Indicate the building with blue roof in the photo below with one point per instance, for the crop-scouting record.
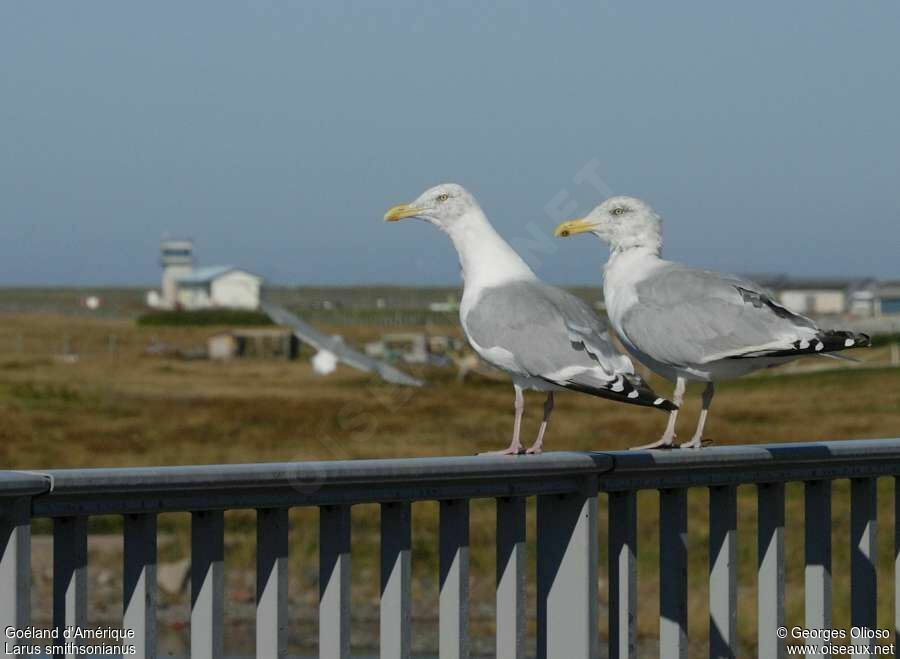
(185, 286)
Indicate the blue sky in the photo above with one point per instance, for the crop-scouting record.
(276, 134)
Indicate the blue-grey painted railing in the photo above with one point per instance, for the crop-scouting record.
(566, 486)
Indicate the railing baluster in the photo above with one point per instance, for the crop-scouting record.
(770, 560)
(272, 528)
(334, 582)
(673, 574)
(69, 574)
(723, 571)
(139, 582)
(15, 564)
(567, 575)
(510, 606)
(622, 573)
(396, 546)
(818, 559)
(896, 559)
(454, 579)
(863, 578)
(207, 584)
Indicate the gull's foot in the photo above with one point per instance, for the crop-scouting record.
(696, 442)
(535, 450)
(661, 443)
(512, 450)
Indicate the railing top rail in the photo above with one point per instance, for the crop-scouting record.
(22, 483)
(181, 488)
(185, 488)
(752, 463)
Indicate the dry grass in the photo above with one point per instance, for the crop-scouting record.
(130, 409)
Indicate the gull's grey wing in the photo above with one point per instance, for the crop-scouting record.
(554, 336)
(309, 335)
(545, 328)
(585, 327)
(685, 316)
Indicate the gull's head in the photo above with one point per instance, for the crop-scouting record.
(620, 221)
(443, 206)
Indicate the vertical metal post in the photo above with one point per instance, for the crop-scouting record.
(723, 561)
(863, 578)
(272, 527)
(454, 579)
(69, 574)
(396, 547)
(897, 559)
(818, 559)
(334, 582)
(673, 574)
(770, 569)
(139, 582)
(510, 604)
(567, 556)
(622, 573)
(15, 564)
(207, 584)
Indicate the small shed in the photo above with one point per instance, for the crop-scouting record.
(267, 343)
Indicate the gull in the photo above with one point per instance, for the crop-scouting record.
(689, 324)
(544, 337)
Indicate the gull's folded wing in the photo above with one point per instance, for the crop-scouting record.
(686, 316)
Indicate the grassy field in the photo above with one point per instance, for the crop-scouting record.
(114, 405)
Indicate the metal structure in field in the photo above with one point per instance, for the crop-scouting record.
(336, 347)
(566, 486)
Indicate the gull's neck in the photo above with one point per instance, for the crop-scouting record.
(485, 258)
(624, 269)
(625, 263)
(646, 239)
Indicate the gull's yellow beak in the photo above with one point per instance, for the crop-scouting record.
(400, 211)
(571, 227)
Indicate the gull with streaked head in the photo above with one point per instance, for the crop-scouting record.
(689, 324)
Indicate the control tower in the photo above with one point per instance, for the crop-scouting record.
(177, 261)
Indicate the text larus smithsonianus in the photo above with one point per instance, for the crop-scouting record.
(545, 338)
(689, 324)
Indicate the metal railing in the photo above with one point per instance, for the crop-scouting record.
(566, 486)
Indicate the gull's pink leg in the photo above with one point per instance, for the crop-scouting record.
(538, 446)
(697, 440)
(668, 438)
(515, 446)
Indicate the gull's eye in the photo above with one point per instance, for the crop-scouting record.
(618, 211)
(443, 197)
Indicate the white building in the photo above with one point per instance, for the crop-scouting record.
(815, 297)
(187, 287)
(825, 297)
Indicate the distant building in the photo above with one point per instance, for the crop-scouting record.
(177, 260)
(187, 287)
(889, 297)
(815, 296)
(263, 343)
(218, 286)
(825, 297)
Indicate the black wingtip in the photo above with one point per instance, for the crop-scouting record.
(862, 340)
(665, 404)
(823, 342)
